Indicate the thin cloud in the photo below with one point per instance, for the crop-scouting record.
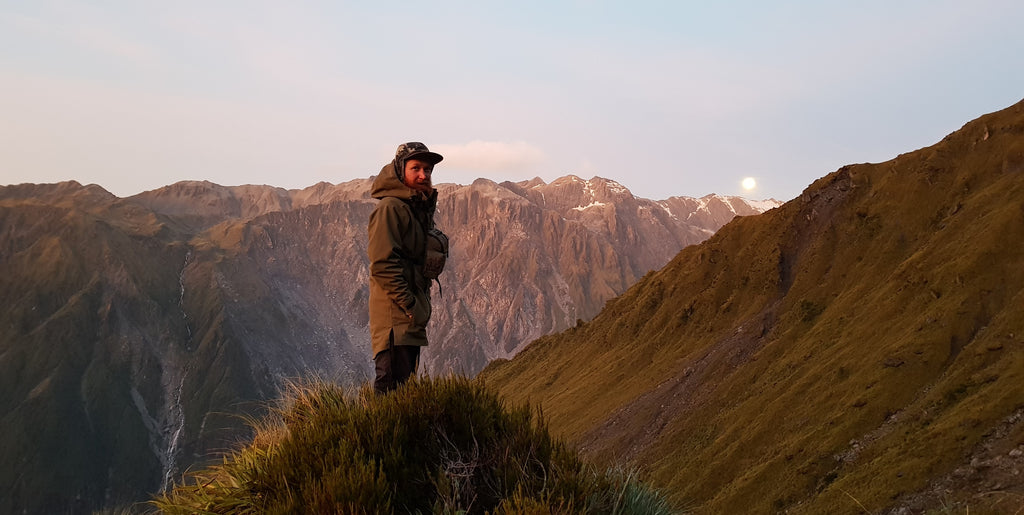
(498, 157)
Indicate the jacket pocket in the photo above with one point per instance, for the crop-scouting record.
(421, 312)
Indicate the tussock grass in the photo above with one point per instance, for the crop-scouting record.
(444, 445)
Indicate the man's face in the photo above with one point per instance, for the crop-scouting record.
(417, 175)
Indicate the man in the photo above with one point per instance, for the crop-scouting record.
(399, 289)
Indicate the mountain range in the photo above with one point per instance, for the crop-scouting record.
(141, 332)
(859, 349)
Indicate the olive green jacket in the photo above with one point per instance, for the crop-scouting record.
(399, 294)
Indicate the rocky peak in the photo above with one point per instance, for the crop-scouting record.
(208, 200)
(714, 210)
(325, 192)
(66, 192)
(571, 193)
(203, 204)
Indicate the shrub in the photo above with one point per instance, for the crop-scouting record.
(432, 446)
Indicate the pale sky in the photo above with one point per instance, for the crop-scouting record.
(667, 98)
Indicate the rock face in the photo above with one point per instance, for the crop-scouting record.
(531, 258)
(139, 331)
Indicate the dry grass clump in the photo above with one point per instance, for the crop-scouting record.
(433, 446)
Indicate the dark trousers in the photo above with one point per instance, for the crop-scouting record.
(394, 366)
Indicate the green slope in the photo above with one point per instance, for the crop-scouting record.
(856, 348)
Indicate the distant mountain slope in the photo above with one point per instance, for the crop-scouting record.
(532, 258)
(859, 349)
(138, 332)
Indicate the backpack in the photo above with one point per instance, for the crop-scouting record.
(437, 254)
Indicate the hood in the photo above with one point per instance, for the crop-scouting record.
(387, 184)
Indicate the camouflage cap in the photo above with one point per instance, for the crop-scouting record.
(415, 149)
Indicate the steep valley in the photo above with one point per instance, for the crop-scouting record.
(140, 333)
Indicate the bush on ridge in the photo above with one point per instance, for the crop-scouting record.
(446, 445)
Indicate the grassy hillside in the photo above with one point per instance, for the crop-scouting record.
(859, 348)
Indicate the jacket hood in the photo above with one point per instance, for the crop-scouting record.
(387, 184)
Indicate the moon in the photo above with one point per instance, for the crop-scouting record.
(749, 183)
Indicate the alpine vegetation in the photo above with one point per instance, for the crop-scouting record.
(446, 445)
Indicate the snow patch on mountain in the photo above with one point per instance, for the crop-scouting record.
(590, 205)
